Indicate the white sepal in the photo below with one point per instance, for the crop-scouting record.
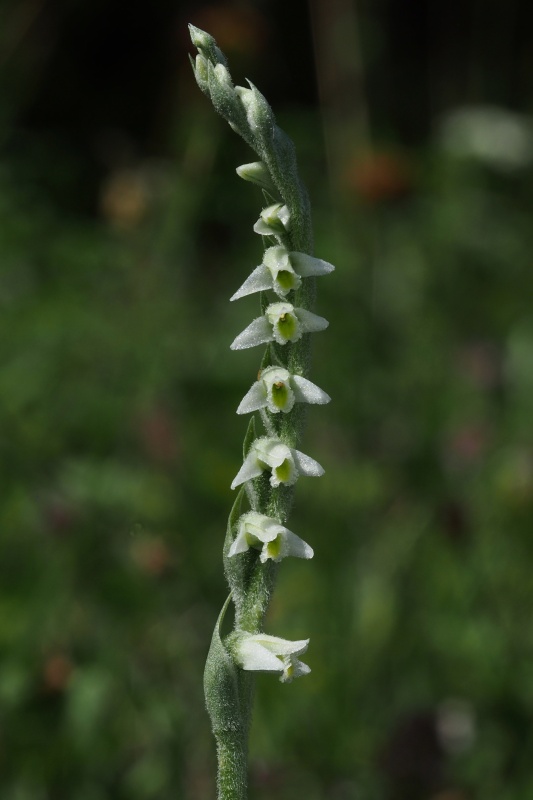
(307, 392)
(266, 534)
(259, 281)
(250, 469)
(307, 465)
(254, 399)
(308, 266)
(258, 332)
(311, 322)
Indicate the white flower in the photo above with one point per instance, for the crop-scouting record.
(278, 390)
(286, 464)
(281, 322)
(274, 540)
(282, 271)
(259, 652)
(273, 220)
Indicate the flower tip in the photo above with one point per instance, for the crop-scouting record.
(199, 38)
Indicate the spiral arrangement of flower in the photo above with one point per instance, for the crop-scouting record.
(257, 538)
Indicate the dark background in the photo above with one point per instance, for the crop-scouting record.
(123, 231)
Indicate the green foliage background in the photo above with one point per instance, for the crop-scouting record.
(119, 441)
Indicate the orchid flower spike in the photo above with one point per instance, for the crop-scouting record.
(283, 272)
(273, 220)
(282, 323)
(286, 464)
(266, 534)
(277, 390)
(262, 653)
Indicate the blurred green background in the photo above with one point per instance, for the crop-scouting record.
(123, 232)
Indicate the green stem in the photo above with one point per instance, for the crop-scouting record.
(232, 752)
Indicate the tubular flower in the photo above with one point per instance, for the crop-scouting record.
(282, 323)
(283, 272)
(273, 220)
(266, 534)
(262, 653)
(278, 390)
(286, 464)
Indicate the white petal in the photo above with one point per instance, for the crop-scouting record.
(297, 547)
(251, 655)
(276, 257)
(259, 281)
(310, 322)
(272, 374)
(250, 469)
(307, 465)
(258, 332)
(254, 399)
(308, 266)
(272, 451)
(271, 529)
(281, 647)
(307, 392)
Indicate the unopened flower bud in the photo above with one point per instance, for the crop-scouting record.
(257, 173)
(274, 220)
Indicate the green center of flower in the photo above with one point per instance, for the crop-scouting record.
(279, 394)
(283, 472)
(287, 325)
(285, 279)
(274, 548)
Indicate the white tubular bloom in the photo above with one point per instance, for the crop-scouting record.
(262, 653)
(283, 272)
(266, 534)
(273, 220)
(277, 390)
(286, 464)
(282, 323)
